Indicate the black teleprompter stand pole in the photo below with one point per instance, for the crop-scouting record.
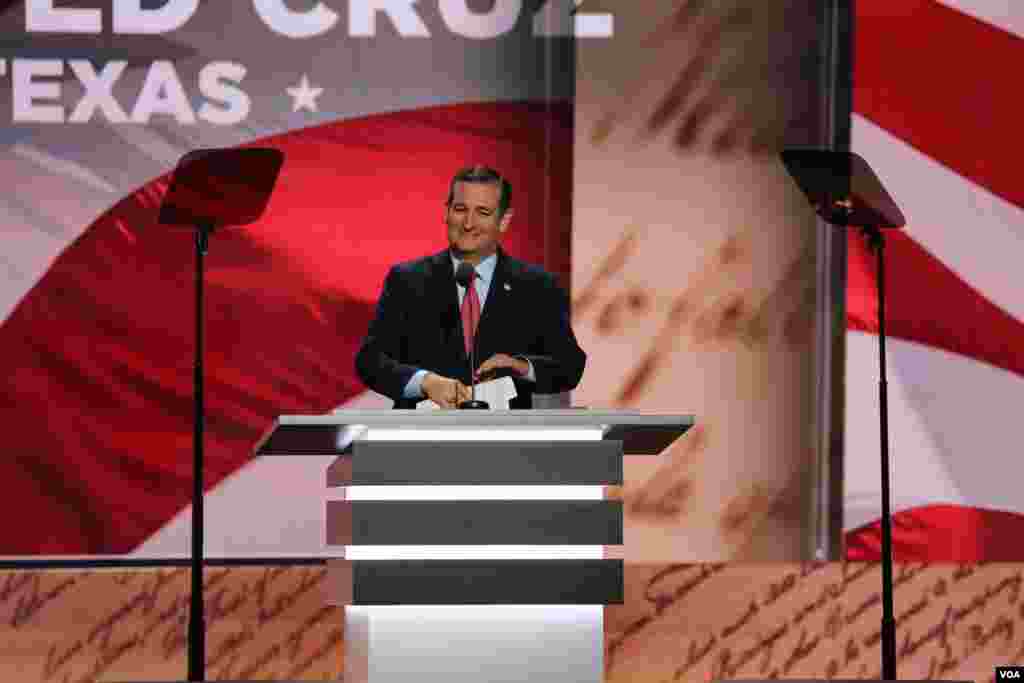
(211, 189)
(845, 192)
(197, 611)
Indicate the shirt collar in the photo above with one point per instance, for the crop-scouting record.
(484, 271)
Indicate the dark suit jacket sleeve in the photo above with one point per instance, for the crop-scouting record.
(559, 361)
(376, 361)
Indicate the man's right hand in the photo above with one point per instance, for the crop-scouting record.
(445, 391)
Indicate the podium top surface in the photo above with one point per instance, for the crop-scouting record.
(334, 433)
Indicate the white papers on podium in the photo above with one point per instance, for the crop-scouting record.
(497, 393)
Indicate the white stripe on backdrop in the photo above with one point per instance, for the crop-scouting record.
(1004, 14)
(953, 431)
(973, 232)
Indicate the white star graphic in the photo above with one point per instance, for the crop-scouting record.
(304, 95)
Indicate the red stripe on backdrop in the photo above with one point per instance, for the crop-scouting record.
(945, 83)
(928, 303)
(95, 362)
(943, 533)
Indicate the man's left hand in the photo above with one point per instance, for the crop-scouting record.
(518, 366)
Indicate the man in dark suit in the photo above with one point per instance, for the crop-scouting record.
(416, 344)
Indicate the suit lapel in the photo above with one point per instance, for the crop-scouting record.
(495, 306)
(443, 291)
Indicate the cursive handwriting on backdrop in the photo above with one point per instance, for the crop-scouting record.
(685, 622)
(716, 310)
(734, 87)
(709, 309)
(78, 627)
(701, 622)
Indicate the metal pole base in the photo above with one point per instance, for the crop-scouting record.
(474, 405)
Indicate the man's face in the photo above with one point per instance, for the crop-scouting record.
(474, 227)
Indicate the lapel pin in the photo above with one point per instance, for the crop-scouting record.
(508, 287)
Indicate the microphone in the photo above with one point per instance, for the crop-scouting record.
(464, 275)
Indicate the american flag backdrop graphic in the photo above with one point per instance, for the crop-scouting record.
(96, 355)
(96, 304)
(938, 116)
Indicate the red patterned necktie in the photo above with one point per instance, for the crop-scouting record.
(470, 313)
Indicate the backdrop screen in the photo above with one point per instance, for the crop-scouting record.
(642, 157)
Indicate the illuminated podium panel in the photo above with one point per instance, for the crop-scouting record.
(473, 545)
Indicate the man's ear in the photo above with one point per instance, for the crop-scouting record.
(506, 218)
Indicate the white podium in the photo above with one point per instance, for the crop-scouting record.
(473, 545)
